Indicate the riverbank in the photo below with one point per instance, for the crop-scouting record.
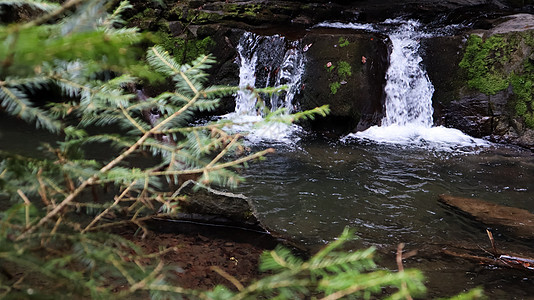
(195, 258)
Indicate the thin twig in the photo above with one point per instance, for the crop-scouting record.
(122, 270)
(127, 115)
(27, 204)
(401, 269)
(216, 167)
(129, 221)
(102, 214)
(224, 151)
(53, 14)
(143, 283)
(58, 208)
(42, 188)
(492, 241)
(229, 277)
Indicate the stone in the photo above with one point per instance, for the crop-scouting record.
(355, 99)
(480, 114)
(518, 22)
(519, 221)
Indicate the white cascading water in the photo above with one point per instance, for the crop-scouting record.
(278, 62)
(290, 74)
(408, 88)
(245, 101)
(408, 119)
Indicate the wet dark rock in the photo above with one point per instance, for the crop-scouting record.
(260, 13)
(481, 114)
(219, 208)
(212, 213)
(18, 13)
(356, 100)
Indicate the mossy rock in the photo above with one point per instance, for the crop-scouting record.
(489, 87)
(494, 63)
(345, 70)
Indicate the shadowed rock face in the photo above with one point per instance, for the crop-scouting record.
(357, 100)
(346, 70)
(261, 13)
(460, 104)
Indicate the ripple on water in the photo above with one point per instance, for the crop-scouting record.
(382, 190)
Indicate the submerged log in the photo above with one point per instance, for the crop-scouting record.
(519, 221)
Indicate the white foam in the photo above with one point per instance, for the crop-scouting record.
(247, 118)
(256, 129)
(437, 138)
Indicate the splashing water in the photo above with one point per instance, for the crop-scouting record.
(408, 119)
(267, 61)
(408, 88)
(245, 101)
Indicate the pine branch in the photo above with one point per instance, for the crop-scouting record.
(15, 102)
(53, 14)
(215, 167)
(162, 62)
(115, 19)
(86, 18)
(44, 6)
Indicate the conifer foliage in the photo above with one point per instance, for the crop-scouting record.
(53, 242)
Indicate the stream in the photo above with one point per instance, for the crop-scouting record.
(389, 195)
(384, 182)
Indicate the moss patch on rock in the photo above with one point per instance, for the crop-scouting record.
(184, 49)
(498, 62)
(483, 61)
(338, 77)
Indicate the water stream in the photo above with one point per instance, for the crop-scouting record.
(385, 182)
(389, 194)
(267, 61)
(387, 191)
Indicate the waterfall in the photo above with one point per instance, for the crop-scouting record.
(267, 61)
(408, 88)
(245, 101)
(408, 107)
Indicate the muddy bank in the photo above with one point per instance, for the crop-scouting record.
(196, 256)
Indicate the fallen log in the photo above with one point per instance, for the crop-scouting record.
(519, 221)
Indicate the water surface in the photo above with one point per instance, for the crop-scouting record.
(389, 194)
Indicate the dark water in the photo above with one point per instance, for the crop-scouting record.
(389, 195)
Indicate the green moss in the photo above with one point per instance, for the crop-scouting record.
(185, 50)
(203, 17)
(344, 70)
(343, 42)
(529, 120)
(334, 86)
(487, 66)
(521, 108)
(240, 10)
(522, 87)
(483, 60)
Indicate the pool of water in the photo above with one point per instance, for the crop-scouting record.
(389, 194)
(311, 190)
